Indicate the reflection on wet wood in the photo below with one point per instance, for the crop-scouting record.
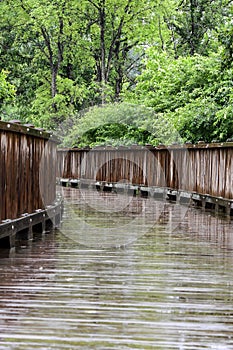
(169, 289)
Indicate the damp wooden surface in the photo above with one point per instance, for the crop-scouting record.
(170, 288)
(204, 169)
(28, 170)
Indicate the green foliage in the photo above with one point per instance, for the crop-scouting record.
(64, 57)
(194, 25)
(69, 95)
(120, 124)
(168, 83)
(226, 38)
(192, 92)
(113, 134)
(7, 90)
(196, 120)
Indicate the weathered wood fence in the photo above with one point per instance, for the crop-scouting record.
(205, 169)
(27, 174)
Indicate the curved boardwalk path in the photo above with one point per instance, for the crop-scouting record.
(167, 290)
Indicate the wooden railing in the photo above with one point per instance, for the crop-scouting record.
(27, 169)
(203, 168)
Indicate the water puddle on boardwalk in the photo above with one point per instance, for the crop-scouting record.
(167, 285)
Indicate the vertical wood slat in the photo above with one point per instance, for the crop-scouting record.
(24, 188)
(3, 175)
(205, 169)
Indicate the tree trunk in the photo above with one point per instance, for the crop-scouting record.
(54, 72)
(193, 28)
(103, 50)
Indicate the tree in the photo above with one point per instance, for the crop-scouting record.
(194, 25)
(69, 55)
(193, 93)
(45, 41)
(226, 38)
(64, 57)
(116, 28)
(48, 27)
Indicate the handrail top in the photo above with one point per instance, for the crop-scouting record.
(26, 129)
(189, 146)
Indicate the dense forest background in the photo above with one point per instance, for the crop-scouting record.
(119, 71)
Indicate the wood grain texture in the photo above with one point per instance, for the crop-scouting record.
(27, 170)
(204, 169)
